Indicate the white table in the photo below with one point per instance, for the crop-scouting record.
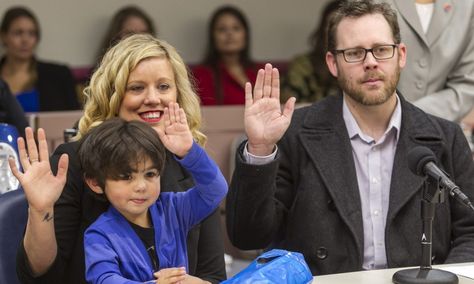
(382, 276)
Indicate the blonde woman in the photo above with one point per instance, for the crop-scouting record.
(136, 80)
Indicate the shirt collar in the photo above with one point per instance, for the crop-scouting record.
(353, 128)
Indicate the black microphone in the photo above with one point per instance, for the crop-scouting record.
(422, 161)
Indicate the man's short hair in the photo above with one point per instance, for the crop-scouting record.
(116, 147)
(357, 9)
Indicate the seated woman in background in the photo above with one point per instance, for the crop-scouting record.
(308, 78)
(37, 85)
(128, 20)
(222, 75)
(10, 109)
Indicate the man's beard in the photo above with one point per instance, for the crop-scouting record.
(370, 99)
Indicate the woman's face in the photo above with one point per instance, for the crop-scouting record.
(151, 86)
(229, 34)
(21, 38)
(134, 25)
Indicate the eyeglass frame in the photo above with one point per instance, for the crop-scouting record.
(367, 50)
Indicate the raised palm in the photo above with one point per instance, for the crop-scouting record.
(265, 122)
(177, 136)
(42, 188)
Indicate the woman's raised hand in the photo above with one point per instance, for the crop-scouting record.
(177, 136)
(265, 122)
(42, 188)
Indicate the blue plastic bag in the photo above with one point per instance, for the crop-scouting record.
(275, 266)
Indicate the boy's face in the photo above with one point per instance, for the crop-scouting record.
(134, 193)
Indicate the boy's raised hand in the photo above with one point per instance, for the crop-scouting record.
(42, 188)
(177, 136)
(173, 275)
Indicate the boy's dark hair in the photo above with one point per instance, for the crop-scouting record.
(357, 9)
(115, 146)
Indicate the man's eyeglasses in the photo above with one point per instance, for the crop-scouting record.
(380, 52)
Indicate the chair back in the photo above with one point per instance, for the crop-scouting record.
(13, 217)
(8, 148)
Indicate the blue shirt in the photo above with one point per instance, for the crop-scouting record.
(115, 254)
(29, 100)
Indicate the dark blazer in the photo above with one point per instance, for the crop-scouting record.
(56, 87)
(77, 208)
(10, 110)
(307, 199)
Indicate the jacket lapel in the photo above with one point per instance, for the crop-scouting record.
(416, 130)
(442, 14)
(325, 139)
(407, 10)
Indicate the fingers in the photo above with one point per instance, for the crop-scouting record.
(43, 145)
(171, 275)
(63, 164)
(289, 107)
(248, 94)
(174, 114)
(14, 168)
(258, 89)
(275, 84)
(31, 145)
(267, 81)
(182, 116)
(267, 84)
(166, 117)
(25, 163)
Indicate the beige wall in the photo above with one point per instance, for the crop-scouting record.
(72, 29)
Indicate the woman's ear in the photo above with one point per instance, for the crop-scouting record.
(94, 185)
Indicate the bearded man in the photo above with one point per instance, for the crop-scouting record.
(332, 181)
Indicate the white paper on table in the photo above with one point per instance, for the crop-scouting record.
(465, 270)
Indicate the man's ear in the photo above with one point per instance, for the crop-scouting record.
(331, 63)
(94, 185)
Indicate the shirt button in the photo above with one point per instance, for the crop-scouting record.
(419, 85)
(374, 180)
(376, 212)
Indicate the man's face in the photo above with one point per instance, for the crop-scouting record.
(372, 81)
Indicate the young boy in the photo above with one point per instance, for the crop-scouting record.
(142, 236)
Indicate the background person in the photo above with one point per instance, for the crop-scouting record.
(10, 110)
(439, 76)
(126, 21)
(227, 65)
(37, 85)
(308, 79)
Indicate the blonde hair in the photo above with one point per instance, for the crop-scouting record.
(107, 86)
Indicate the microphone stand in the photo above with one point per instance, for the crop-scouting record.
(432, 194)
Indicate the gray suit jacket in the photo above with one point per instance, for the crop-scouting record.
(307, 200)
(439, 76)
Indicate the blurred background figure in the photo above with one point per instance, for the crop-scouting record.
(128, 20)
(10, 110)
(439, 74)
(37, 85)
(227, 65)
(308, 78)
